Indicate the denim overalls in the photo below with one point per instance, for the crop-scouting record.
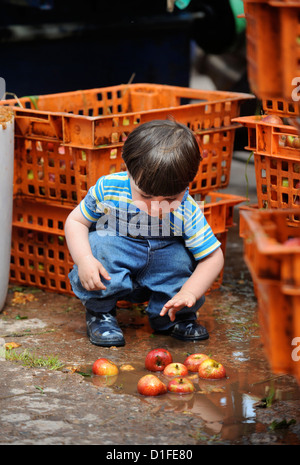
(144, 265)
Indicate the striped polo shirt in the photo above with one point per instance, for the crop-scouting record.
(112, 193)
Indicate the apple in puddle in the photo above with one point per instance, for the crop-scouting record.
(104, 367)
(158, 359)
(193, 361)
(175, 369)
(181, 386)
(151, 385)
(211, 369)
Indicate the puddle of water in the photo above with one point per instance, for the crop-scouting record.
(226, 407)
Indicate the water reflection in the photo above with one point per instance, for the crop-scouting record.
(226, 406)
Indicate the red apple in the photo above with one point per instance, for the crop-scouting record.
(175, 369)
(151, 385)
(158, 359)
(181, 386)
(296, 143)
(292, 241)
(290, 141)
(272, 119)
(193, 361)
(210, 369)
(104, 367)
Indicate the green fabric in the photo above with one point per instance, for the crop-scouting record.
(181, 4)
(237, 7)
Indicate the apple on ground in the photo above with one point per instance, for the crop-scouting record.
(158, 359)
(193, 361)
(151, 385)
(211, 369)
(104, 367)
(181, 386)
(175, 369)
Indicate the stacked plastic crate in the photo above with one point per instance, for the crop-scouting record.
(65, 142)
(271, 229)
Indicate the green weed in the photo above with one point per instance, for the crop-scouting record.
(29, 359)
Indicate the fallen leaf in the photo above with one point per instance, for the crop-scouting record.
(22, 298)
(127, 368)
(72, 369)
(11, 345)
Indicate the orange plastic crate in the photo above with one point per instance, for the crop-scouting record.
(279, 311)
(39, 253)
(264, 232)
(66, 141)
(281, 107)
(218, 209)
(277, 165)
(273, 48)
(275, 270)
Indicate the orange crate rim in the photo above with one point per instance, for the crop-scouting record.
(73, 138)
(69, 117)
(277, 162)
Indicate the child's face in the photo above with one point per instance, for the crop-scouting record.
(154, 206)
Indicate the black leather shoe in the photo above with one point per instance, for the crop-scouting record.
(189, 331)
(103, 329)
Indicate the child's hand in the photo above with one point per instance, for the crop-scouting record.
(89, 271)
(180, 300)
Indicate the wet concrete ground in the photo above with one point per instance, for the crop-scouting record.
(42, 406)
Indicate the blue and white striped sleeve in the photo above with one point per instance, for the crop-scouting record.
(89, 206)
(198, 235)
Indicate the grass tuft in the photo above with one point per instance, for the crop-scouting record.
(30, 359)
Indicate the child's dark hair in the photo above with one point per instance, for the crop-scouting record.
(162, 157)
